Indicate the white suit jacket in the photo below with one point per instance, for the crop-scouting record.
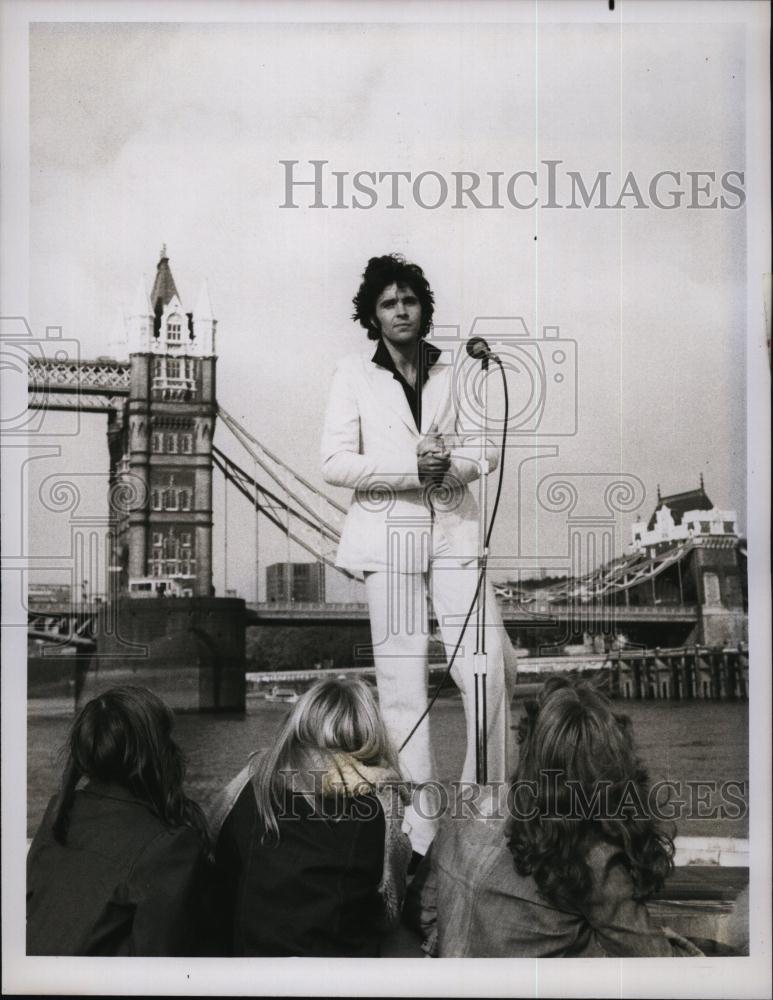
(369, 444)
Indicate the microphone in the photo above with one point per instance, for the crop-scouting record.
(478, 349)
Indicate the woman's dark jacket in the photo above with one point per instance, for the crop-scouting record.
(331, 885)
(123, 884)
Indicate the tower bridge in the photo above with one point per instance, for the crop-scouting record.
(685, 573)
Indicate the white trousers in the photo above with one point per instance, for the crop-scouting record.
(400, 631)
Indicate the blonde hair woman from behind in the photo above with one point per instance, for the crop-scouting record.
(309, 848)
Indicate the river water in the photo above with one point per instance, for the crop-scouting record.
(686, 742)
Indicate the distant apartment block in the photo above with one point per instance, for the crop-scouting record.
(295, 582)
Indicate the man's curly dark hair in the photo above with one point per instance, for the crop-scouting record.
(572, 738)
(391, 269)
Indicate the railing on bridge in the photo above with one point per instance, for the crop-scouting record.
(306, 611)
(512, 611)
(516, 610)
(98, 386)
(304, 606)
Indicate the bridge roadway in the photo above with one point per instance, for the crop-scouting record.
(57, 621)
(537, 613)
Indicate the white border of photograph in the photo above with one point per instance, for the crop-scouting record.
(725, 977)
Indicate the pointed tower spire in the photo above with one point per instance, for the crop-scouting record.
(659, 497)
(702, 487)
(164, 288)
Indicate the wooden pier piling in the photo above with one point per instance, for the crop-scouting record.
(680, 674)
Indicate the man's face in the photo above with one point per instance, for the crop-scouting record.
(398, 315)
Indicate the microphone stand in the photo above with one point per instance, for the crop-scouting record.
(478, 350)
(480, 658)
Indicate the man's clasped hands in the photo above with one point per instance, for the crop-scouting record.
(434, 459)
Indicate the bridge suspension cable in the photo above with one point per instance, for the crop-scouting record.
(615, 577)
(310, 532)
(304, 493)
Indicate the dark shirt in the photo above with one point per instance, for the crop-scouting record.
(315, 892)
(426, 357)
(122, 884)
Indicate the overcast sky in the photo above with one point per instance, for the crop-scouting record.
(151, 134)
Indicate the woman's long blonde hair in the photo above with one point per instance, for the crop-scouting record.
(332, 717)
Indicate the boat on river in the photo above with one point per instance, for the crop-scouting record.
(283, 694)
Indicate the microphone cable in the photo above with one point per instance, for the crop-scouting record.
(482, 571)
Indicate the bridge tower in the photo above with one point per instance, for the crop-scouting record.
(161, 445)
(166, 628)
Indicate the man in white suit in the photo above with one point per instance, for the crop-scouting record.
(392, 435)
